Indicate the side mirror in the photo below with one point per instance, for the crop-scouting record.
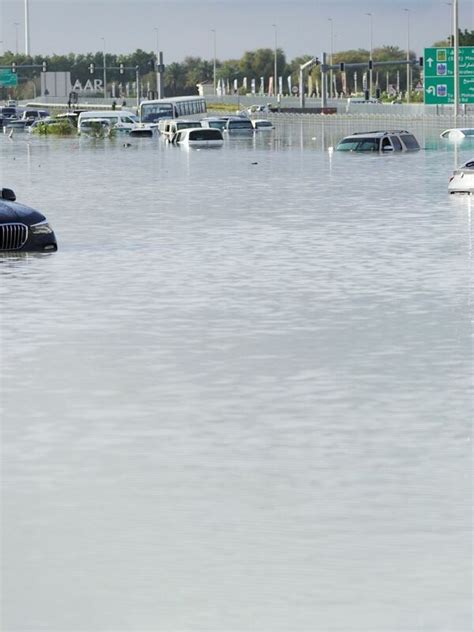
(8, 194)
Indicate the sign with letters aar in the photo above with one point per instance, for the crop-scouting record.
(439, 75)
(8, 78)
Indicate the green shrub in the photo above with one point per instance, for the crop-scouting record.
(58, 128)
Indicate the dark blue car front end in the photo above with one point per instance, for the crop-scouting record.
(22, 228)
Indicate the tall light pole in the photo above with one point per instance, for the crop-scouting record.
(456, 57)
(27, 29)
(451, 28)
(408, 55)
(275, 75)
(105, 70)
(17, 24)
(370, 56)
(213, 31)
(157, 65)
(330, 20)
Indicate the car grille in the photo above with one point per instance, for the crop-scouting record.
(13, 236)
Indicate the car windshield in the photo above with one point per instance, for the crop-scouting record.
(218, 124)
(94, 123)
(186, 124)
(205, 134)
(244, 124)
(359, 144)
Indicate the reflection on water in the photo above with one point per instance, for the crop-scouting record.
(237, 398)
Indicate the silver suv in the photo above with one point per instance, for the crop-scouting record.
(379, 142)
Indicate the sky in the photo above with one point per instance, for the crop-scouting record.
(182, 28)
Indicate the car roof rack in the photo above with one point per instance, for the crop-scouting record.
(381, 131)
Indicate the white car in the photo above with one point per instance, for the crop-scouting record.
(462, 180)
(458, 133)
(198, 137)
(262, 124)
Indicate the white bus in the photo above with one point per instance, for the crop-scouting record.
(174, 107)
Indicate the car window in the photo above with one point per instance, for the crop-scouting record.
(396, 143)
(409, 141)
(240, 124)
(368, 144)
(205, 134)
(358, 144)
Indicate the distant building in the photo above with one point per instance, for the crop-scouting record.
(205, 89)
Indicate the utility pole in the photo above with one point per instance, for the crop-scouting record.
(213, 31)
(105, 70)
(408, 56)
(157, 66)
(330, 60)
(27, 30)
(17, 24)
(370, 56)
(275, 75)
(456, 58)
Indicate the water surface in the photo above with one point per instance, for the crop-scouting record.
(238, 397)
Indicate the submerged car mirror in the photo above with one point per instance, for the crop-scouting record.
(8, 194)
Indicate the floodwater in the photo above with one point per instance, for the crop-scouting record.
(238, 398)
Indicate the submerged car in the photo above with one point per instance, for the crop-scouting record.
(198, 137)
(262, 124)
(462, 180)
(217, 122)
(458, 133)
(379, 142)
(23, 228)
(238, 125)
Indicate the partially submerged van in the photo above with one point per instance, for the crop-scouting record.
(169, 127)
(120, 120)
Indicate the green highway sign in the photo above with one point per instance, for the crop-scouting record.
(439, 75)
(8, 78)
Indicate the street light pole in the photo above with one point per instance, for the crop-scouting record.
(370, 56)
(17, 24)
(451, 28)
(27, 30)
(275, 75)
(408, 55)
(213, 31)
(157, 66)
(331, 89)
(105, 71)
(456, 57)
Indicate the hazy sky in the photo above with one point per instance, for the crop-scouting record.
(184, 27)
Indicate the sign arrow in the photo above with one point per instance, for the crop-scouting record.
(431, 90)
(430, 61)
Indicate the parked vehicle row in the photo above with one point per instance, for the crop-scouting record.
(14, 117)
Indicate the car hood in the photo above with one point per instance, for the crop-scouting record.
(15, 212)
